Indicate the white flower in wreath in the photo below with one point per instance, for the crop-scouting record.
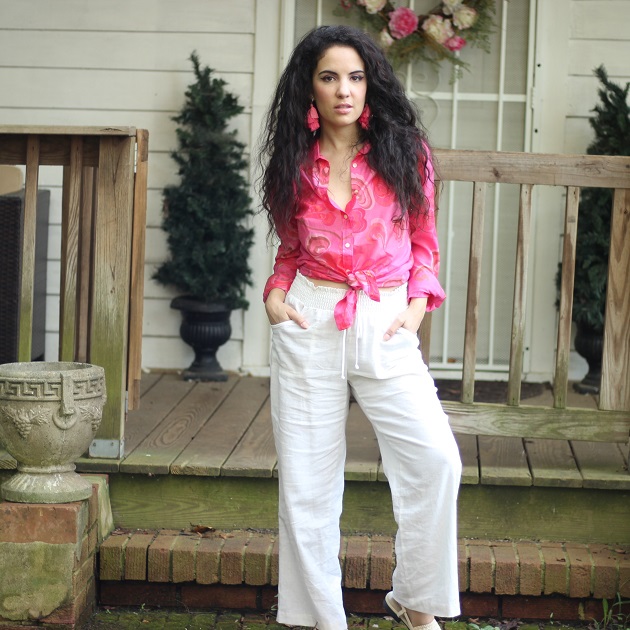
(438, 28)
(464, 17)
(385, 39)
(373, 6)
(450, 6)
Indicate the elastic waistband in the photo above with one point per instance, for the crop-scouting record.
(326, 298)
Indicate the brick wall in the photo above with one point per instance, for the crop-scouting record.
(525, 579)
(48, 561)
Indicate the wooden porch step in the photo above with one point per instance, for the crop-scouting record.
(204, 453)
(214, 568)
(224, 429)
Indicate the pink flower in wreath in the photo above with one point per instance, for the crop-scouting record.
(402, 22)
(464, 17)
(436, 27)
(455, 43)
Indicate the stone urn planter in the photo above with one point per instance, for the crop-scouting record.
(49, 414)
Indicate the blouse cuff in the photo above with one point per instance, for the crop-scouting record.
(430, 288)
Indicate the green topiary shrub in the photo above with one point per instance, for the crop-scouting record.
(206, 214)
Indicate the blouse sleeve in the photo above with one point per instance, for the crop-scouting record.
(286, 264)
(423, 278)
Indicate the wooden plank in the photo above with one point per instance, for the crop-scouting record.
(474, 290)
(162, 446)
(157, 403)
(110, 288)
(176, 501)
(552, 464)
(70, 224)
(67, 130)
(520, 295)
(227, 51)
(615, 388)
(601, 465)
(469, 453)
(86, 262)
(490, 512)
(138, 90)
(153, 16)
(54, 149)
(149, 379)
(603, 171)
(599, 19)
(222, 432)
(362, 452)
(425, 325)
(28, 250)
(538, 422)
(534, 513)
(503, 462)
(565, 309)
(136, 297)
(255, 454)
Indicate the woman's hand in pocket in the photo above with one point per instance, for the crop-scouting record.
(410, 318)
(278, 311)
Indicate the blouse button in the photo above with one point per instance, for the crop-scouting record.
(354, 165)
(345, 216)
(347, 245)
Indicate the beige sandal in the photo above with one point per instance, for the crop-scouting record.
(400, 612)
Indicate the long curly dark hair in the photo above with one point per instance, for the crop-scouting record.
(397, 139)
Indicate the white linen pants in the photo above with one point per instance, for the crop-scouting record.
(311, 373)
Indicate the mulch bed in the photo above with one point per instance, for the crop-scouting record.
(487, 391)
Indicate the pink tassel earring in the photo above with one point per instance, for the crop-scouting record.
(312, 118)
(364, 118)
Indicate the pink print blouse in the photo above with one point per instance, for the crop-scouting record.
(359, 244)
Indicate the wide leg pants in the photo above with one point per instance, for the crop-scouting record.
(312, 371)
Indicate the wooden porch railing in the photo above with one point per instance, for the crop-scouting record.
(102, 254)
(611, 422)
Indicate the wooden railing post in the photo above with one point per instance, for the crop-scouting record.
(28, 248)
(615, 383)
(99, 197)
(110, 289)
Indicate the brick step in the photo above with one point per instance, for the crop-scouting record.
(239, 570)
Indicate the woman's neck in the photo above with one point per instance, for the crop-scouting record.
(339, 142)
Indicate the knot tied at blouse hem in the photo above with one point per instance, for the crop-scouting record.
(346, 308)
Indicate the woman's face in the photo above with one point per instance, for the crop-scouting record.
(339, 87)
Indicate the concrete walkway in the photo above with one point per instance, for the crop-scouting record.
(160, 619)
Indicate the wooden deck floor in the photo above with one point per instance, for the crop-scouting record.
(224, 429)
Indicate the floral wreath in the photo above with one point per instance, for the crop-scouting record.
(434, 37)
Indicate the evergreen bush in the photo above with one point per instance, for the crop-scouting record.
(611, 124)
(205, 216)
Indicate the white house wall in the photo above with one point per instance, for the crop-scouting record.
(114, 62)
(573, 37)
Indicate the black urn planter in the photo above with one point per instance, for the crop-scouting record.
(589, 343)
(205, 327)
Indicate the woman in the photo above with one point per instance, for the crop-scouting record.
(348, 189)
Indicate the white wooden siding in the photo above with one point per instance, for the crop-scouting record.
(573, 38)
(114, 62)
(598, 35)
(119, 63)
